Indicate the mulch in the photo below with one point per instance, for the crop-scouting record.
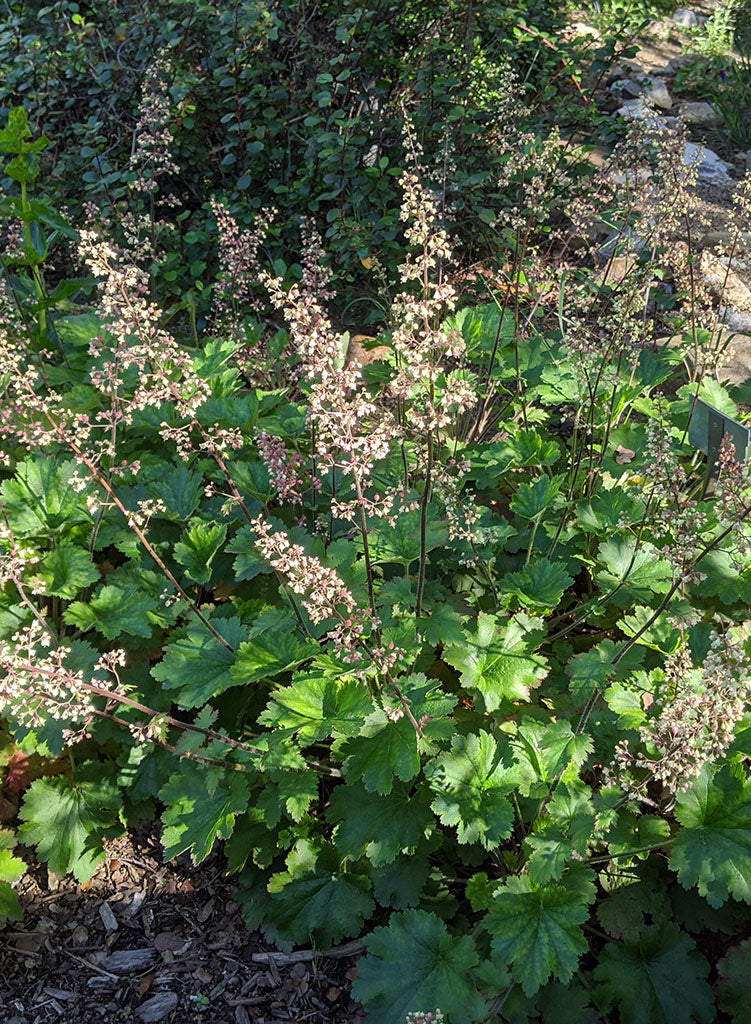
(144, 941)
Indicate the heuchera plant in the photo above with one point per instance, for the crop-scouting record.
(450, 650)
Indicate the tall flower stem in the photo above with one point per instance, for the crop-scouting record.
(424, 529)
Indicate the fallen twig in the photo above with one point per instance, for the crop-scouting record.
(305, 955)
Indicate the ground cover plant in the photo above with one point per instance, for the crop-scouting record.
(450, 650)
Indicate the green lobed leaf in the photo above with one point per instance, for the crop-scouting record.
(551, 850)
(471, 785)
(316, 706)
(498, 660)
(387, 745)
(316, 901)
(40, 500)
(180, 488)
(532, 500)
(66, 569)
(606, 511)
(379, 827)
(537, 929)
(634, 832)
(546, 750)
(732, 991)
(591, 670)
(115, 609)
(197, 664)
(657, 979)
(275, 646)
(623, 914)
(66, 821)
(199, 544)
(642, 573)
(443, 626)
(414, 964)
(384, 749)
(11, 869)
(540, 585)
(400, 544)
(712, 849)
(400, 883)
(249, 562)
(197, 814)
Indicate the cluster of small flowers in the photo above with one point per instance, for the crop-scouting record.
(283, 466)
(239, 264)
(153, 141)
(421, 1017)
(141, 232)
(461, 516)
(674, 514)
(24, 413)
(422, 345)
(351, 431)
(388, 506)
(15, 558)
(733, 499)
(661, 466)
(316, 276)
(698, 711)
(134, 337)
(534, 167)
(691, 277)
(646, 183)
(146, 509)
(36, 686)
(13, 244)
(325, 594)
(386, 659)
(458, 395)
(313, 336)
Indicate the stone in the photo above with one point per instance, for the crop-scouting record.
(580, 28)
(685, 18)
(622, 244)
(713, 239)
(678, 63)
(712, 170)
(634, 110)
(659, 29)
(657, 91)
(736, 363)
(729, 283)
(735, 320)
(699, 113)
(625, 87)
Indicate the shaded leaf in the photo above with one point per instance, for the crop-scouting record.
(537, 929)
(438, 972)
(199, 665)
(659, 979)
(539, 585)
(66, 569)
(379, 827)
(197, 548)
(195, 817)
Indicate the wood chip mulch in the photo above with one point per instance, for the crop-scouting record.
(146, 941)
